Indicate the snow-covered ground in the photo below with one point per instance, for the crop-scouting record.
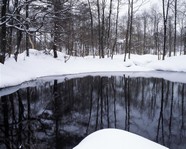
(39, 64)
(116, 139)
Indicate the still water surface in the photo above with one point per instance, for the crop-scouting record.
(58, 114)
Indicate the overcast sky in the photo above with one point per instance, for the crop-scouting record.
(146, 5)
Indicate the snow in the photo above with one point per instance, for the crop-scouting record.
(39, 64)
(116, 139)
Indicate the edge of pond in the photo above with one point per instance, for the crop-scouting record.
(172, 76)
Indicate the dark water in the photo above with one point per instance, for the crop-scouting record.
(59, 114)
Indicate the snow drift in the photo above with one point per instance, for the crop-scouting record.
(40, 64)
(116, 139)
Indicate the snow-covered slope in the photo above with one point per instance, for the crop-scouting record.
(39, 64)
(116, 139)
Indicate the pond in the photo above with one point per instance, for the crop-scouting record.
(58, 112)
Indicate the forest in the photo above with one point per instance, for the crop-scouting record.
(92, 27)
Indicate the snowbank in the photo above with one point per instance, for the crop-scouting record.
(39, 64)
(116, 139)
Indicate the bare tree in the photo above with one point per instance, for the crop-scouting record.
(165, 17)
(92, 30)
(116, 29)
(19, 32)
(3, 32)
(145, 19)
(131, 23)
(170, 36)
(27, 27)
(103, 29)
(109, 25)
(57, 8)
(99, 27)
(184, 40)
(127, 32)
(175, 25)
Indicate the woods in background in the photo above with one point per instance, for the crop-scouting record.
(92, 27)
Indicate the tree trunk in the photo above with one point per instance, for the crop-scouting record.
(170, 37)
(3, 32)
(131, 23)
(165, 15)
(55, 43)
(175, 26)
(103, 28)
(19, 37)
(116, 31)
(184, 40)
(127, 33)
(27, 27)
(144, 34)
(99, 28)
(92, 30)
(109, 26)
(18, 32)
(58, 6)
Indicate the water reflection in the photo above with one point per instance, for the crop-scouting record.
(59, 115)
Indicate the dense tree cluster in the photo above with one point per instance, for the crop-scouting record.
(92, 27)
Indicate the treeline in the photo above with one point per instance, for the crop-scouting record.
(92, 27)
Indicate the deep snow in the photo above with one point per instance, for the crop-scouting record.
(116, 139)
(39, 64)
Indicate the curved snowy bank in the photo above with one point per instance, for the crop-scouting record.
(170, 76)
(39, 64)
(116, 139)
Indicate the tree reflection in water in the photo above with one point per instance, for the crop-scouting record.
(60, 114)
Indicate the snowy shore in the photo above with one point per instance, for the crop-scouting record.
(39, 64)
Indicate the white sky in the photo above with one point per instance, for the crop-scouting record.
(144, 5)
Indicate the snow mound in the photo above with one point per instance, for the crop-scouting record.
(175, 63)
(116, 139)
